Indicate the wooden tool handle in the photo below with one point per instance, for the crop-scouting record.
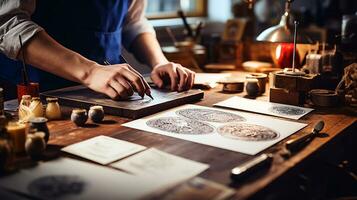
(294, 143)
(251, 166)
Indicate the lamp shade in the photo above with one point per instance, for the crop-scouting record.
(282, 33)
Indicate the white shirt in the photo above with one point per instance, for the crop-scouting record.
(15, 20)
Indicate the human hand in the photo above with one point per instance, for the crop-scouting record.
(179, 77)
(117, 81)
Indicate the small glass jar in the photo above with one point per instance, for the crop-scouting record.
(17, 135)
(36, 107)
(53, 110)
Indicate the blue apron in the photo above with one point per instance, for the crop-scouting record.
(91, 28)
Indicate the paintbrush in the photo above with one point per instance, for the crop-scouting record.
(181, 14)
(106, 62)
(172, 36)
(25, 77)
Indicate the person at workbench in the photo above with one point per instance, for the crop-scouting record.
(69, 41)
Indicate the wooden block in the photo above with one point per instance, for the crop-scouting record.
(294, 83)
(134, 107)
(279, 95)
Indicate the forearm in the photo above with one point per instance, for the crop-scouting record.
(45, 53)
(147, 50)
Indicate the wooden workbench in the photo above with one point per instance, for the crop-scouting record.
(339, 123)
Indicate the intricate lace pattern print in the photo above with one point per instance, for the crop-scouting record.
(180, 125)
(210, 115)
(247, 132)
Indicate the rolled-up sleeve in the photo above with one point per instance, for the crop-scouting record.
(15, 20)
(135, 23)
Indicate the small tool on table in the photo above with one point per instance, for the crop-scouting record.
(251, 166)
(293, 144)
(265, 160)
(106, 62)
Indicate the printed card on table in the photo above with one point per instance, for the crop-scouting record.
(103, 149)
(161, 166)
(227, 129)
(263, 107)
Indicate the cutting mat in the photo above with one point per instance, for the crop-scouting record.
(134, 107)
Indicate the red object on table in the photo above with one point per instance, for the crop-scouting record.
(284, 55)
(30, 89)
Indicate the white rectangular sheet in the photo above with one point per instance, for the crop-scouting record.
(103, 149)
(232, 130)
(66, 178)
(161, 166)
(264, 107)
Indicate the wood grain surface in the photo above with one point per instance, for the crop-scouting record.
(337, 121)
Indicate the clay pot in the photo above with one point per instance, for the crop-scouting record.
(96, 114)
(79, 116)
(252, 87)
(35, 145)
(40, 124)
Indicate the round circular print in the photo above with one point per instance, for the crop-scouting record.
(57, 186)
(247, 132)
(285, 110)
(180, 125)
(209, 115)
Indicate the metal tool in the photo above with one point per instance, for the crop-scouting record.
(106, 62)
(293, 71)
(188, 28)
(25, 76)
(294, 144)
(251, 166)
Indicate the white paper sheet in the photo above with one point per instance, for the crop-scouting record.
(66, 178)
(103, 149)
(210, 79)
(163, 167)
(263, 107)
(255, 132)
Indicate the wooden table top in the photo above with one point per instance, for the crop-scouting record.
(64, 132)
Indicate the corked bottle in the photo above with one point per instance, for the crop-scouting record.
(53, 110)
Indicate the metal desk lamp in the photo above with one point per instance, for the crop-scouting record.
(283, 32)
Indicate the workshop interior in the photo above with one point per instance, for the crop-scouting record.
(178, 99)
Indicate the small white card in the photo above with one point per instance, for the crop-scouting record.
(103, 149)
(263, 107)
(164, 167)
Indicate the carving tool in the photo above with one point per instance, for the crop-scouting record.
(185, 23)
(265, 160)
(106, 62)
(171, 34)
(25, 76)
(293, 144)
(244, 170)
